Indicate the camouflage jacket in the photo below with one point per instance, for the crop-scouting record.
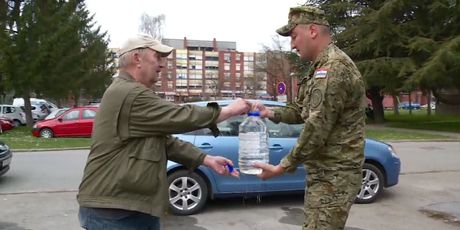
(331, 103)
(131, 143)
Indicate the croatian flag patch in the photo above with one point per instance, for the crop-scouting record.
(320, 73)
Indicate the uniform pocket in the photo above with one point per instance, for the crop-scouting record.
(142, 170)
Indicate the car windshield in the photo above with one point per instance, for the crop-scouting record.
(55, 113)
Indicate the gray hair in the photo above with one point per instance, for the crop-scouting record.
(126, 59)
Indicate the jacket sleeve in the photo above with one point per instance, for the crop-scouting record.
(289, 114)
(151, 115)
(184, 152)
(327, 99)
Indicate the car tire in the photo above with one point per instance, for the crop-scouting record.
(46, 133)
(372, 184)
(187, 192)
(16, 123)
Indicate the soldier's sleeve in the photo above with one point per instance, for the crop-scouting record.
(289, 114)
(151, 115)
(327, 99)
(184, 152)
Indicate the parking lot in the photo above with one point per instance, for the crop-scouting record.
(39, 193)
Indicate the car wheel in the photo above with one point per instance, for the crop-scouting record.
(371, 186)
(188, 192)
(16, 123)
(46, 133)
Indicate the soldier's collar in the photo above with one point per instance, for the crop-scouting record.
(322, 56)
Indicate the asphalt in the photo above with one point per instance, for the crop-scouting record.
(448, 212)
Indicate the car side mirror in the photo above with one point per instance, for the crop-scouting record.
(60, 119)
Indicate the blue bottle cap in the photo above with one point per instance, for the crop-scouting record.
(230, 168)
(254, 114)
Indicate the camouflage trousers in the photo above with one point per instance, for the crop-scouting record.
(328, 198)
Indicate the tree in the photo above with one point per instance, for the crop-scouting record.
(398, 43)
(49, 48)
(152, 25)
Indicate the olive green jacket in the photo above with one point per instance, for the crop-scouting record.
(131, 143)
(331, 103)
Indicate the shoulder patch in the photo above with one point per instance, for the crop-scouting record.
(320, 73)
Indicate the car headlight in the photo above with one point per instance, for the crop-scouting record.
(392, 151)
(35, 126)
(4, 148)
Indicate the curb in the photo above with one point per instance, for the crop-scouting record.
(50, 149)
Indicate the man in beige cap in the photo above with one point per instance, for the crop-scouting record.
(124, 184)
(330, 104)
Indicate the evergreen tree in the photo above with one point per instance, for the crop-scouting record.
(50, 48)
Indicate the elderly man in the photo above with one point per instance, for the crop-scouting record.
(124, 184)
(330, 104)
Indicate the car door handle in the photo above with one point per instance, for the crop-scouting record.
(276, 147)
(205, 146)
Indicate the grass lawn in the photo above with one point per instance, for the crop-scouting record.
(21, 138)
(387, 134)
(420, 120)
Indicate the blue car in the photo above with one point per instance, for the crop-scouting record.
(189, 191)
(407, 105)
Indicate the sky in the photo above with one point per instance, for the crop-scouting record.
(250, 23)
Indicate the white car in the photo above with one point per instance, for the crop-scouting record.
(37, 107)
(13, 113)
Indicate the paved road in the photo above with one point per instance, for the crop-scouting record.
(38, 193)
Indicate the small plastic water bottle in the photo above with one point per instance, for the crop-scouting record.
(253, 146)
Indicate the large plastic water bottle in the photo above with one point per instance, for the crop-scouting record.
(253, 147)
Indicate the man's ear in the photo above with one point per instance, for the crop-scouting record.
(136, 58)
(313, 31)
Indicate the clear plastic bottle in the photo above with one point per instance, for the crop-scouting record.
(253, 143)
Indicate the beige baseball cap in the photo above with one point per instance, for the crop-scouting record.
(145, 41)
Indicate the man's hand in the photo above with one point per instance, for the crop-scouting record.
(238, 107)
(264, 111)
(268, 170)
(219, 165)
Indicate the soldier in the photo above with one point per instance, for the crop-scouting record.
(330, 104)
(124, 184)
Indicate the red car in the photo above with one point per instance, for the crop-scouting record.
(5, 124)
(75, 122)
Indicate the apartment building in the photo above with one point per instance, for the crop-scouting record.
(208, 70)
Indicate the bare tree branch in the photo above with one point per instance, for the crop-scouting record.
(152, 25)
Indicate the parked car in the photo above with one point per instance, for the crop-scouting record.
(189, 191)
(56, 113)
(13, 113)
(75, 122)
(406, 105)
(5, 158)
(40, 107)
(5, 124)
(432, 105)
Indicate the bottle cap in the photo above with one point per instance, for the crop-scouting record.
(230, 168)
(254, 114)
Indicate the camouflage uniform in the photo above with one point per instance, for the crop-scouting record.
(331, 146)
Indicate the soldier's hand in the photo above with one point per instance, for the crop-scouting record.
(264, 111)
(220, 165)
(268, 170)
